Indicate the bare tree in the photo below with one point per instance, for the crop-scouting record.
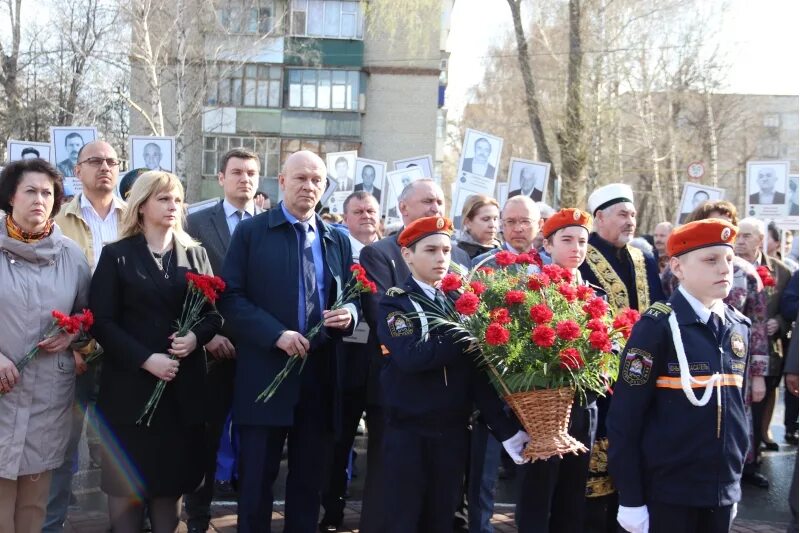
(10, 70)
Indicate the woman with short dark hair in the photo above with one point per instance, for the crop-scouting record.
(40, 271)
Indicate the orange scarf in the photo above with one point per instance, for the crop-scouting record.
(15, 232)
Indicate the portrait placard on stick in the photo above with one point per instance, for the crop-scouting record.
(767, 186)
(425, 162)
(528, 178)
(480, 157)
(152, 153)
(396, 181)
(66, 142)
(370, 176)
(693, 196)
(18, 150)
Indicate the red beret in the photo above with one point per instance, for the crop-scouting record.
(566, 218)
(701, 234)
(422, 227)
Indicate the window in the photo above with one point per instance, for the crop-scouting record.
(319, 147)
(267, 148)
(247, 16)
(333, 19)
(248, 85)
(324, 89)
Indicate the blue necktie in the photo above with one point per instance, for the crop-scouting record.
(308, 278)
(236, 219)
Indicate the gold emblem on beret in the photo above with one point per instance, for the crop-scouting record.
(726, 233)
(576, 215)
(439, 223)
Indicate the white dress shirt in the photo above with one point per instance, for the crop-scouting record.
(103, 230)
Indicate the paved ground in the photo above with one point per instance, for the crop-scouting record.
(761, 511)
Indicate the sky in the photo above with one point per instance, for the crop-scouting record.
(759, 38)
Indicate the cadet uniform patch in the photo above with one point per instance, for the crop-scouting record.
(637, 367)
(737, 345)
(399, 325)
(657, 310)
(395, 291)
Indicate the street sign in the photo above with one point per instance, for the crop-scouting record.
(696, 170)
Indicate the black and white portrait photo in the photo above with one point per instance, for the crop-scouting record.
(18, 150)
(341, 170)
(153, 153)
(369, 177)
(66, 142)
(528, 178)
(396, 181)
(693, 197)
(425, 162)
(480, 155)
(767, 185)
(792, 204)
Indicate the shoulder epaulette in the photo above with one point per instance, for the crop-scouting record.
(395, 291)
(738, 315)
(658, 310)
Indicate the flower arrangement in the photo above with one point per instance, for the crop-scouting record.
(535, 333)
(202, 289)
(61, 323)
(766, 278)
(357, 284)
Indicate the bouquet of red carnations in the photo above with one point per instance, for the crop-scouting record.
(203, 289)
(357, 284)
(61, 323)
(541, 338)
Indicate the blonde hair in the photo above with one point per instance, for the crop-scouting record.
(148, 184)
(474, 203)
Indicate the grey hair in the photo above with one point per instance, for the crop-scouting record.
(545, 210)
(756, 223)
(406, 192)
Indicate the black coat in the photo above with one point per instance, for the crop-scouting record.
(135, 310)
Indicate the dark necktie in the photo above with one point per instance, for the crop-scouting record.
(715, 323)
(308, 278)
(440, 299)
(239, 216)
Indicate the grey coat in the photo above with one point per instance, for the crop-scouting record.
(35, 416)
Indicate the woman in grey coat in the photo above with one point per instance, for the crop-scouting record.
(40, 271)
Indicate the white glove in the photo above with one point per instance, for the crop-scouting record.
(734, 511)
(515, 445)
(634, 519)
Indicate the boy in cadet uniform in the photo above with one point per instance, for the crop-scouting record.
(677, 429)
(429, 384)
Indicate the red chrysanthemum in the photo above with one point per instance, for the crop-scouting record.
(596, 307)
(543, 336)
(467, 304)
(496, 334)
(515, 297)
(600, 341)
(538, 281)
(585, 292)
(477, 287)
(570, 359)
(596, 324)
(505, 258)
(569, 292)
(500, 315)
(541, 314)
(451, 282)
(568, 330)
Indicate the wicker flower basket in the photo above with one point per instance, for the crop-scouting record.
(545, 416)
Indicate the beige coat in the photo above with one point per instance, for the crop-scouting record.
(35, 416)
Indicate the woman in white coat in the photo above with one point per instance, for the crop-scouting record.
(40, 271)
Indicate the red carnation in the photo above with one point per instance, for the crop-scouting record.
(538, 281)
(566, 275)
(552, 271)
(477, 287)
(596, 324)
(543, 336)
(500, 315)
(467, 304)
(596, 307)
(766, 276)
(371, 287)
(569, 292)
(625, 320)
(515, 297)
(570, 359)
(585, 292)
(600, 341)
(524, 259)
(496, 334)
(568, 330)
(541, 314)
(505, 258)
(87, 319)
(451, 282)
(486, 270)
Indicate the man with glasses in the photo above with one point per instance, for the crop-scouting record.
(90, 220)
(74, 144)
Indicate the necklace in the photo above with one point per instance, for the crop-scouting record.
(159, 259)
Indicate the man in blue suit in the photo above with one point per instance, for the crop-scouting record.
(284, 269)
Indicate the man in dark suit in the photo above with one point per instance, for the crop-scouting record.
(284, 269)
(385, 266)
(368, 182)
(767, 195)
(238, 176)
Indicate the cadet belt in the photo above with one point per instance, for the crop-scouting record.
(726, 380)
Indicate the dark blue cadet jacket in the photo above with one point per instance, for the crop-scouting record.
(662, 448)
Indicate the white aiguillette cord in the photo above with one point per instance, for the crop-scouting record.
(686, 376)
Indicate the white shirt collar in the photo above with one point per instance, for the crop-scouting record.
(430, 290)
(230, 209)
(116, 204)
(703, 312)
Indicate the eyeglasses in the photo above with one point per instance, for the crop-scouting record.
(97, 162)
(524, 223)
